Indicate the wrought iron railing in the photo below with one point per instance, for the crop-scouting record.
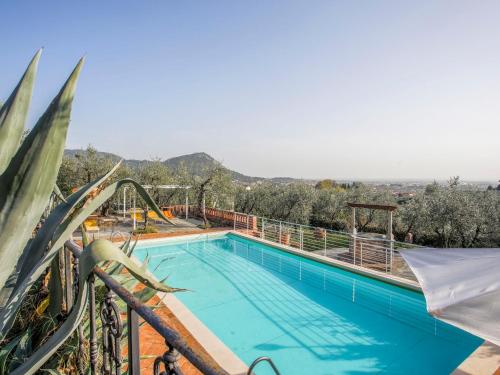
(107, 352)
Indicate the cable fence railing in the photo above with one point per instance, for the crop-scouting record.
(367, 250)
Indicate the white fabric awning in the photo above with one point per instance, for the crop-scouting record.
(461, 287)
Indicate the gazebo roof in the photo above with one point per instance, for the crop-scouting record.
(386, 207)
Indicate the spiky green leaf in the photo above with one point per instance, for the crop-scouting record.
(13, 114)
(59, 194)
(23, 350)
(28, 181)
(65, 230)
(5, 353)
(55, 286)
(97, 253)
(37, 247)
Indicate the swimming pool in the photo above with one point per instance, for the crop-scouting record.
(310, 318)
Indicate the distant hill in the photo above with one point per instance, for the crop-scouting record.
(196, 164)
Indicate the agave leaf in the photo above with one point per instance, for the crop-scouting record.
(125, 247)
(65, 230)
(161, 262)
(13, 114)
(85, 236)
(145, 262)
(59, 194)
(103, 250)
(28, 181)
(5, 352)
(37, 247)
(23, 350)
(46, 350)
(144, 295)
(98, 252)
(55, 286)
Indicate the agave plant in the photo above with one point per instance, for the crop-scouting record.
(28, 171)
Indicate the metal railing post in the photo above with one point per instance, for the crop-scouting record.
(248, 222)
(234, 221)
(326, 235)
(301, 237)
(361, 255)
(279, 237)
(392, 257)
(133, 341)
(386, 260)
(262, 234)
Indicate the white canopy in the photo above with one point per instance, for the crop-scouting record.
(461, 287)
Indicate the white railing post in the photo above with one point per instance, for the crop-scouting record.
(361, 255)
(392, 257)
(279, 236)
(386, 260)
(326, 234)
(234, 221)
(301, 238)
(262, 234)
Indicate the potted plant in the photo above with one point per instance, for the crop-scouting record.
(320, 233)
(285, 235)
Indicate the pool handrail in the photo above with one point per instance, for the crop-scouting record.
(263, 359)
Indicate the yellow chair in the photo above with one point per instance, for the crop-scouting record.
(91, 226)
(154, 216)
(138, 216)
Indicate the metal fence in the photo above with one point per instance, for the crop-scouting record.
(368, 250)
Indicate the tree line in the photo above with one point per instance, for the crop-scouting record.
(439, 215)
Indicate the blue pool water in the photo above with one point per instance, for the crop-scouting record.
(310, 318)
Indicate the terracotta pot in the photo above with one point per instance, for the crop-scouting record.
(320, 233)
(285, 238)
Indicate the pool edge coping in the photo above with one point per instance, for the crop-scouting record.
(476, 360)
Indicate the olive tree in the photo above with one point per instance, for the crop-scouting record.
(213, 189)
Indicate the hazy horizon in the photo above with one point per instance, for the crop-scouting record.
(338, 179)
(322, 89)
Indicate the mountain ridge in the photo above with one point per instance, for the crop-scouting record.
(196, 163)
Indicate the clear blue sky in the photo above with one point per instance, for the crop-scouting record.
(351, 89)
